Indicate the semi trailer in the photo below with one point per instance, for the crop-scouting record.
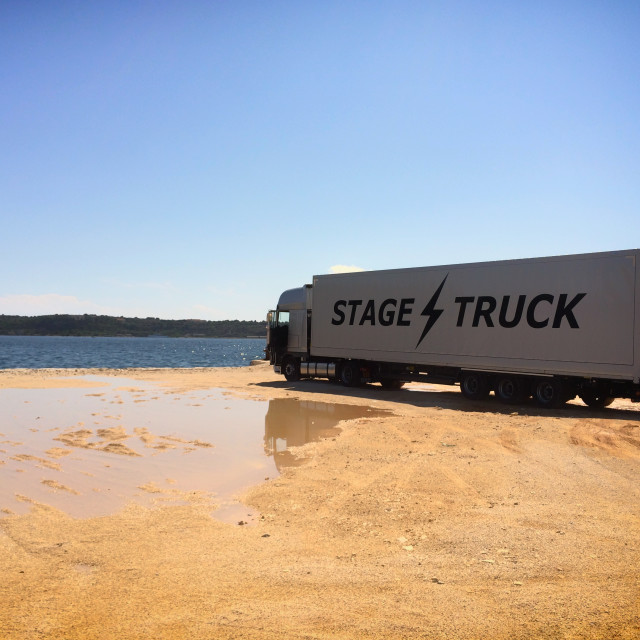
(549, 328)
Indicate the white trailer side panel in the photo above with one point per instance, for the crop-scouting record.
(566, 315)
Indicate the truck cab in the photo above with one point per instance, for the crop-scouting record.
(288, 331)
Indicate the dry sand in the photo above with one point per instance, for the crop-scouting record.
(446, 519)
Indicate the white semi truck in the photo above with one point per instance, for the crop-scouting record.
(552, 328)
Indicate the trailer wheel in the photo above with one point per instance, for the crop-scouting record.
(291, 369)
(550, 393)
(474, 386)
(511, 390)
(350, 373)
(596, 400)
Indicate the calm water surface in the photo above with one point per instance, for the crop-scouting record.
(57, 352)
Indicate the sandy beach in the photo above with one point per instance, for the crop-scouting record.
(425, 516)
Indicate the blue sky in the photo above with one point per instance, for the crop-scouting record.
(194, 159)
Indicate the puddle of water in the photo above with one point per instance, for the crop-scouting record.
(88, 452)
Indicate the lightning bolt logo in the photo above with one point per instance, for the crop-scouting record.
(430, 312)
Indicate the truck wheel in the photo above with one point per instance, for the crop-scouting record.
(596, 400)
(511, 390)
(291, 369)
(474, 386)
(350, 374)
(550, 393)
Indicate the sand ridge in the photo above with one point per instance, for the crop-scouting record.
(442, 519)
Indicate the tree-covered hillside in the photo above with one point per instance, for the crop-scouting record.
(92, 325)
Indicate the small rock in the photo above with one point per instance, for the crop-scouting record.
(436, 581)
(408, 548)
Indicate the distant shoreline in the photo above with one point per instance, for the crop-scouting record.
(87, 325)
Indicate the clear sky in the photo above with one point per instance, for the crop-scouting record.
(193, 159)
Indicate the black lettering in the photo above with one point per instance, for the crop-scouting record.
(485, 306)
(386, 318)
(369, 314)
(564, 310)
(531, 319)
(354, 304)
(517, 316)
(338, 312)
(463, 302)
(405, 310)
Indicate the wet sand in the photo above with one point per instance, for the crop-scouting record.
(440, 519)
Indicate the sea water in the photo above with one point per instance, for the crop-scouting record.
(65, 352)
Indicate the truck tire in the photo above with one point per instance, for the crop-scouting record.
(511, 389)
(291, 369)
(596, 400)
(474, 385)
(350, 373)
(550, 393)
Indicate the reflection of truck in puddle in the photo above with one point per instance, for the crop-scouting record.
(292, 423)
